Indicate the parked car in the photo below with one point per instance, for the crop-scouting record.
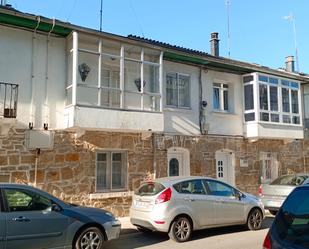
(179, 205)
(33, 219)
(273, 194)
(290, 229)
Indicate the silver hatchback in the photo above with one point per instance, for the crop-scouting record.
(179, 205)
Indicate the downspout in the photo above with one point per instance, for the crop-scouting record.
(32, 74)
(46, 109)
(202, 106)
(154, 155)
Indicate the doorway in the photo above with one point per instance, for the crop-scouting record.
(178, 162)
(225, 166)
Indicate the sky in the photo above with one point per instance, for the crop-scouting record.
(258, 31)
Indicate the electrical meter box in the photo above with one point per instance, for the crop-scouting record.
(39, 139)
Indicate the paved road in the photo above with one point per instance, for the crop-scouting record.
(236, 237)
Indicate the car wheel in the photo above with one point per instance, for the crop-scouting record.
(90, 238)
(255, 219)
(273, 212)
(181, 229)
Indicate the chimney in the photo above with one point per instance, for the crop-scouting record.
(214, 44)
(3, 2)
(289, 64)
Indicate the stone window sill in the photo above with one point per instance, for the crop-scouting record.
(107, 195)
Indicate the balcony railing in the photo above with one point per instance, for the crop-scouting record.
(8, 99)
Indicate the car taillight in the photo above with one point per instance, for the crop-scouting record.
(261, 190)
(266, 244)
(164, 196)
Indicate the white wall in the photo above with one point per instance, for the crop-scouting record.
(186, 121)
(15, 67)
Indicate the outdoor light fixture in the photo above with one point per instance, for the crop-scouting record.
(138, 84)
(45, 126)
(30, 125)
(84, 70)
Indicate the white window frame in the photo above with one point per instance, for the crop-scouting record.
(256, 93)
(222, 89)
(124, 163)
(177, 82)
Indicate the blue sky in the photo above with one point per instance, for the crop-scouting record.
(258, 31)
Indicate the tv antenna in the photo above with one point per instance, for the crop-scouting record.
(228, 4)
(101, 15)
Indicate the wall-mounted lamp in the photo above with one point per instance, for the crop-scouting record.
(30, 125)
(138, 84)
(84, 70)
(45, 126)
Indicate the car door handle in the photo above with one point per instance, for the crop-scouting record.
(188, 199)
(21, 219)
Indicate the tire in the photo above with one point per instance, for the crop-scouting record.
(255, 219)
(181, 229)
(90, 238)
(273, 212)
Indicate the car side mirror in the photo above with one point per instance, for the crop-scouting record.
(238, 195)
(55, 208)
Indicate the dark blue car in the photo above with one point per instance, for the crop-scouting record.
(290, 229)
(33, 219)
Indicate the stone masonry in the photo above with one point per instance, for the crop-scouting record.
(68, 171)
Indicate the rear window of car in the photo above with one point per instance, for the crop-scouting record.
(149, 189)
(292, 221)
(292, 180)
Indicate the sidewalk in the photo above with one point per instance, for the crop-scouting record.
(126, 226)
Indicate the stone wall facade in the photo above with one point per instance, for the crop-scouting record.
(68, 170)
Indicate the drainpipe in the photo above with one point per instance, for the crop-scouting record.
(154, 155)
(46, 109)
(32, 74)
(202, 106)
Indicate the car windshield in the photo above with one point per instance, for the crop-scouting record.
(292, 220)
(149, 189)
(293, 180)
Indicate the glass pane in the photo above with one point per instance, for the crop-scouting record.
(110, 72)
(88, 42)
(273, 81)
(110, 98)
(294, 95)
(151, 77)
(274, 118)
(294, 85)
(132, 52)
(263, 78)
(132, 101)
(286, 119)
(184, 91)
(70, 69)
(216, 98)
(249, 103)
(273, 98)
(111, 47)
(151, 55)
(132, 76)
(285, 100)
(248, 78)
(220, 189)
(17, 200)
(151, 103)
(118, 174)
(87, 96)
(101, 157)
(295, 120)
(263, 97)
(174, 167)
(249, 117)
(102, 175)
(87, 68)
(225, 100)
(264, 116)
(171, 90)
(285, 82)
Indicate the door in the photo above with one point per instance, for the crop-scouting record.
(229, 209)
(175, 164)
(225, 167)
(30, 222)
(192, 196)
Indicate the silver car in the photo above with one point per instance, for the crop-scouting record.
(179, 205)
(33, 219)
(274, 194)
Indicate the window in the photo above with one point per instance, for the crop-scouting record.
(111, 170)
(21, 200)
(269, 167)
(278, 99)
(190, 187)
(220, 189)
(178, 90)
(220, 96)
(174, 167)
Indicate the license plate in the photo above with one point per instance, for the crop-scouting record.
(141, 204)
